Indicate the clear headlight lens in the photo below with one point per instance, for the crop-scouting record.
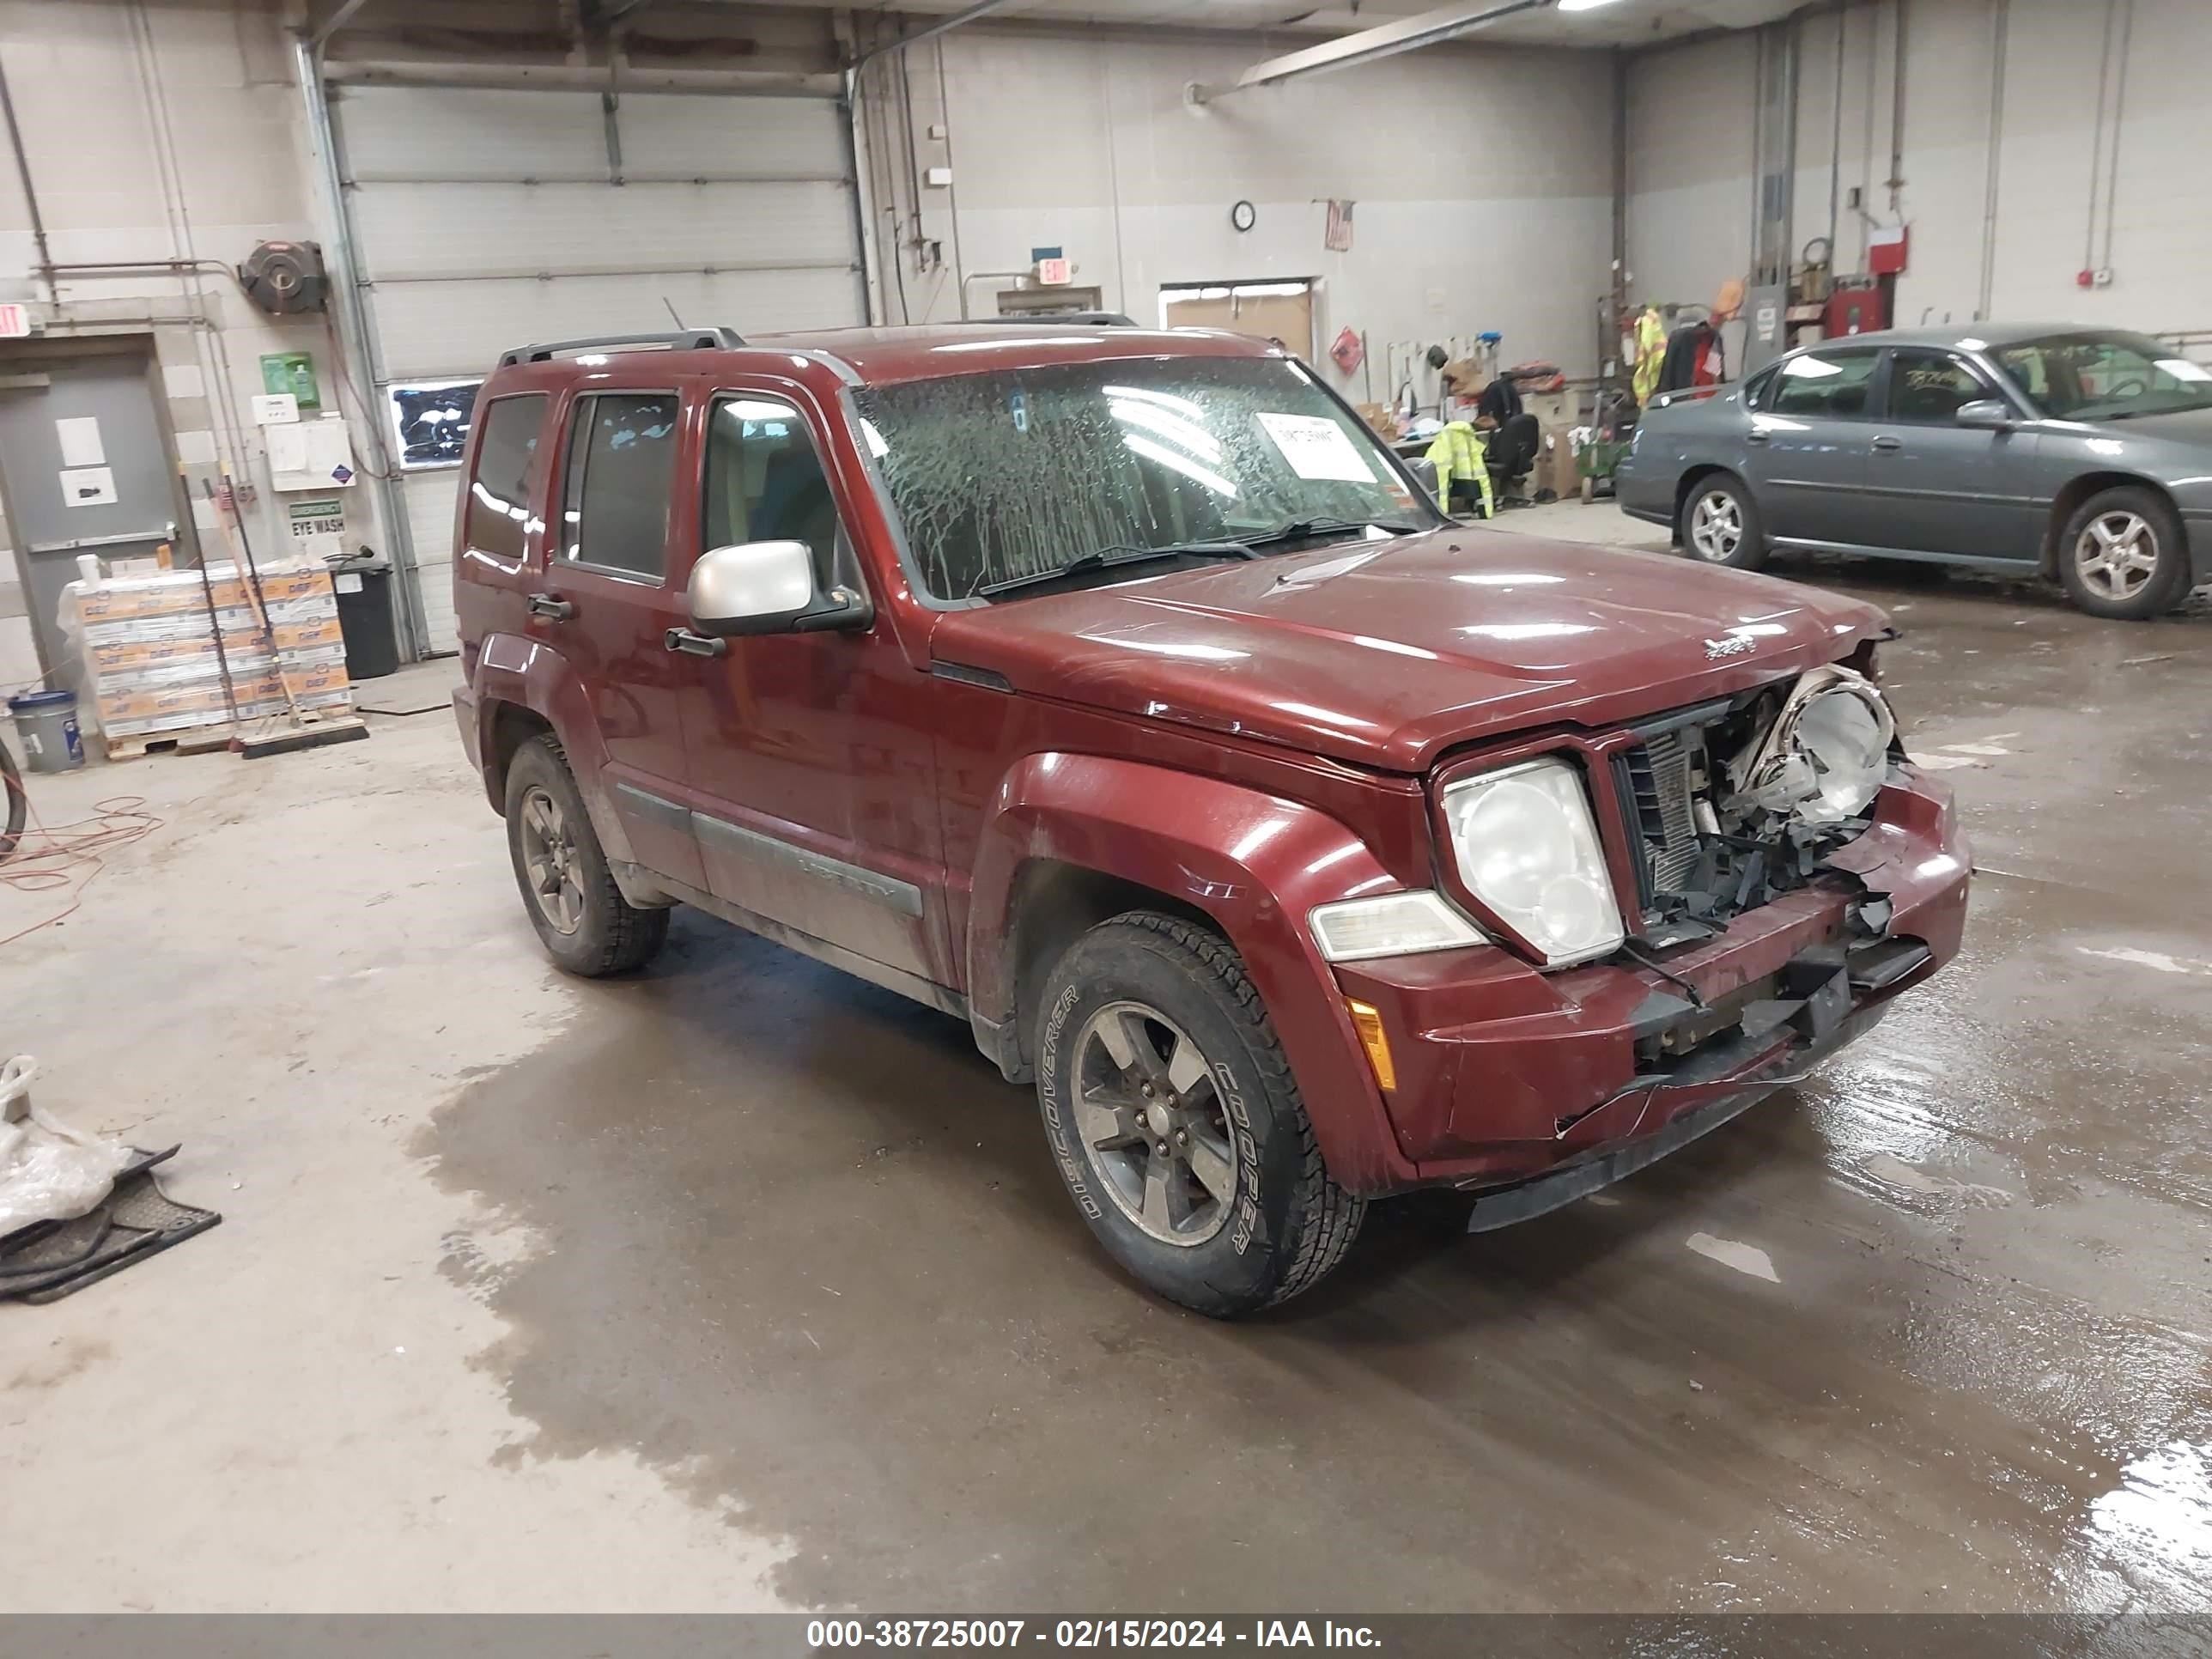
(1844, 741)
(1527, 848)
(1392, 925)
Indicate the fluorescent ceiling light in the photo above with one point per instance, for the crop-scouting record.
(1583, 5)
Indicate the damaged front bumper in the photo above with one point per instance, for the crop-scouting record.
(1510, 1080)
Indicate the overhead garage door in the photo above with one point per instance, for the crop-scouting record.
(487, 219)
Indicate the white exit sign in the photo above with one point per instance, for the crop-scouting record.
(14, 322)
(1056, 273)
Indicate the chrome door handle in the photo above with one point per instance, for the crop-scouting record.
(1885, 444)
(694, 645)
(551, 607)
(1754, 436)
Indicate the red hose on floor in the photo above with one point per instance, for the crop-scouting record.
(70, 855)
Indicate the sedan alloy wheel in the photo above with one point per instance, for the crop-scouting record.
(2116, 555)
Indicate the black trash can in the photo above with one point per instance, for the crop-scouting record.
(372, 634)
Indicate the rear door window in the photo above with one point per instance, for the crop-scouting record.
(499, 495)
(1824, 385)
(615, 491)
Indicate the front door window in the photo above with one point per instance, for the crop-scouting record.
(764, 482)
(1928, 388)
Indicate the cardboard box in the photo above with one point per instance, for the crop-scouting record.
(1383, 422)
(1555, 463)
(150, 647)
(207, 669)
(182, 592)
(318, 633)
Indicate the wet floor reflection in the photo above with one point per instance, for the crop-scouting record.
(1932, 1331)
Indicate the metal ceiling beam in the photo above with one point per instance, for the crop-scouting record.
(942, 26)
(1386, 40)
(583, 77)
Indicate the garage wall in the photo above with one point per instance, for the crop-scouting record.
(1689, 168)
(1482, 179)
(213, 168)
(1689, 126)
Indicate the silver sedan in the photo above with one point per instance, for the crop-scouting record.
(2084, 455)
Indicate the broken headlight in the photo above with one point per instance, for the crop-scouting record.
(1826, 754)
(1527, 848)
(1846, 743)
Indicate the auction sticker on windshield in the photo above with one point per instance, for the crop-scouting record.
(1317, 447)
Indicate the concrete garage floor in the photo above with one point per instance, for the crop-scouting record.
(742, 1283)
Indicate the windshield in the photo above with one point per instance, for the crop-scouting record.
(2105, 377)
(1018, 472)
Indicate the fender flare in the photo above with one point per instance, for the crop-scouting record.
(1254, 864)
(518, 671)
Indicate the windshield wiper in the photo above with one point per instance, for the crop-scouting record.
(1300, 529)
(1113, 558)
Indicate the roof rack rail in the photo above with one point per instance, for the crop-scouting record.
(687, 340)
(1066, 320)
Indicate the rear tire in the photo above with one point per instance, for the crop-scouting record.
(584, 923)
(1721, 523)
(2123, 554)
(1176, 1123)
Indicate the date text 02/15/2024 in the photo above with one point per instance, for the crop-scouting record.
(1085, 1633)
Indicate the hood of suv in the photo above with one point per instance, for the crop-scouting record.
(1386, 654)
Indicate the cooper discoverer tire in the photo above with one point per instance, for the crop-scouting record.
(1173, 1120)
(580, 915)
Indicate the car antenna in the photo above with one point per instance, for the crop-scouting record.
(672, 317)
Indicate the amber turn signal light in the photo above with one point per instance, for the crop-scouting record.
(1373, 1038)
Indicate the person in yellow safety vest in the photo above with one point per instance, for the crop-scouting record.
(1650, 353)
(1458, 456)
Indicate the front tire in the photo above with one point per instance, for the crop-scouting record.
(1721, 523)
(1176, 1123)
(2123, 555)
(584, 923)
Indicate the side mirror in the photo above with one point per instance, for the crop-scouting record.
(767, 587)
(1985, 415)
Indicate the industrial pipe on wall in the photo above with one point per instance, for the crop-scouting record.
(983, 276)
(2000, 31)
(30, 192)
(2119, 118)
(1896, 181)
(354, 345)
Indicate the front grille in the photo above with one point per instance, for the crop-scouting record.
(1666, 812)
(1658, 797)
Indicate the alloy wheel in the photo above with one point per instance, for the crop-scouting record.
(1153, 1125)
(549, 858)
(2116, 555)
(1716, 527)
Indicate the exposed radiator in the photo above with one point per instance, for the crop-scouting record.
(1665, 817)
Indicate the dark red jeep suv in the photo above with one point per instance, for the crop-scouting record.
(1118, 693)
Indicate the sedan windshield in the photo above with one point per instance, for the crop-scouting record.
(1003, 479)
(2105, 377)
